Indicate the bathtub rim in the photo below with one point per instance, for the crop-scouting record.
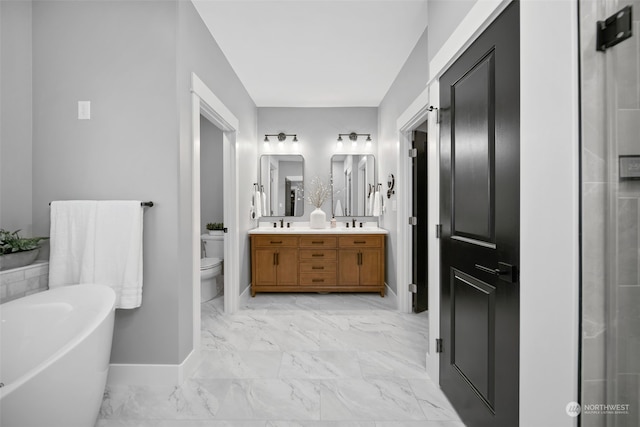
(105, 310)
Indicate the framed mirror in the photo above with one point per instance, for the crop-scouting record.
(353, 184)
(282, 181)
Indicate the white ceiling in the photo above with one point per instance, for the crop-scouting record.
(315, 53)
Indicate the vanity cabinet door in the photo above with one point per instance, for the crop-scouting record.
(370, 262)
(287, 266)
(265, 271)
(349, 267)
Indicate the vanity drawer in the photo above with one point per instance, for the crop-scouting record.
(318, 254)
(276, 240)
(318, 267)
(318, 241)
(355, 241)
(318, 279)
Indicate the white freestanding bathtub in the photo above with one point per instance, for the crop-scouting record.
(54, 356)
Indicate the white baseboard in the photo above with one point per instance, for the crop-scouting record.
(244, 297)
(153, 375)
(388, 293)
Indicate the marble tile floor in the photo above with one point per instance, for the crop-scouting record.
(294, 360)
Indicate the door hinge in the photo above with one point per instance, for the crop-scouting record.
(413, 152)
(413, 220)
(438, 230)
(437, 110)
(413, 288)
(438, 345)
(614, 29)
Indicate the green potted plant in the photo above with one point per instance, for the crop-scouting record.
(215, 228)
(16, 251)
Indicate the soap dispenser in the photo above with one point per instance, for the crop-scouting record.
(333, 222)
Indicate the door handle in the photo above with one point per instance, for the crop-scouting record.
(506, 272)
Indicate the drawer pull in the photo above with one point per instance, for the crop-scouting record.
(317, 268)
(359, 242)
(276, 242)
(317, 254)
(317, 280)
(317, 242)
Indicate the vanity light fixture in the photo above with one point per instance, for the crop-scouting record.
(281, 137)
(353, 137)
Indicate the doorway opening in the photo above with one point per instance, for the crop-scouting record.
(204, 103)
(211, 212)
(419, 257)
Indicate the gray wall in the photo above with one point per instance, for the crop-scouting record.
(443, 18)
(15, 116)
(409, 83)
(137, 143)
(98, 51)
(317, 130)
(211, 176)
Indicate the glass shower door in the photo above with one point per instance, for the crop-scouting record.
(610, 160)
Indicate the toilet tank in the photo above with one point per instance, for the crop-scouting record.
(213, 245)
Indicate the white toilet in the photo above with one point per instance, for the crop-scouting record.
(211, 279)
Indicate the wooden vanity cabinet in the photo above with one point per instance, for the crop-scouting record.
(361, 261)
(274, 261)
(317, 263)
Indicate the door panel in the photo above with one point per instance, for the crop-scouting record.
(348, 268)
(479, 211)
(265, 267)
(472, 100)
(287, 260)
(370, 267)
(473, 329)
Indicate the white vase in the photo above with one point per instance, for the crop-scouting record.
(317, 219)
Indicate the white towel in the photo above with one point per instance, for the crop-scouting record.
(98, 242)
(377, 204)
(338, 211)
(72, 242)
(371, 203)
(257, 203)
(263, 204)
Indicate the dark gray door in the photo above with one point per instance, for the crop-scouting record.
(480, 137)
(419, 261)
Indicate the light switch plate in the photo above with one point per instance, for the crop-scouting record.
(84, 110)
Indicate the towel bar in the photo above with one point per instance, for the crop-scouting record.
(143, 204)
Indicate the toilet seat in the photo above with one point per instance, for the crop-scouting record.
(209, 263)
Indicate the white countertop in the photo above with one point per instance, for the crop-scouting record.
(303, 228)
